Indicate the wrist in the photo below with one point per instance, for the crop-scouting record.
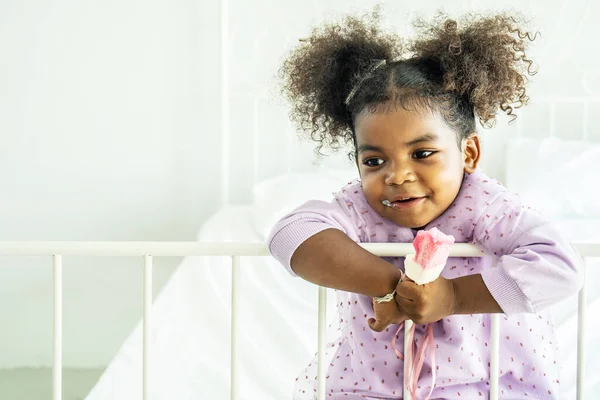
(391, 282)
(395, 279)
(386, 299)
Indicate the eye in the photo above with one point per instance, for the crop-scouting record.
(419, 154)
(373, 162)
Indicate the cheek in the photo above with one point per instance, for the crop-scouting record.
(372, 185)
(445, 179)
(369, 184)
(449, 174)
(451, 168)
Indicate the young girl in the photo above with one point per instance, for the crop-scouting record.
(409, 112)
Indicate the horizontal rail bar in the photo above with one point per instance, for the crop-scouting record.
(190, 249)
(180, 249)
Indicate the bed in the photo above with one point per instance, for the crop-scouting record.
(190, 327)
(190, 317)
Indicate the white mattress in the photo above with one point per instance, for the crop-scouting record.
(190, 326)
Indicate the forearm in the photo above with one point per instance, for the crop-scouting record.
(471, 296)
(331, 259)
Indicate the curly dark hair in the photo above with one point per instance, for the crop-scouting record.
(463, 69)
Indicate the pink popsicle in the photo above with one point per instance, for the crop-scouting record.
(432, 248)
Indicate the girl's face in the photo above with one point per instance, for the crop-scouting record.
(410, 160)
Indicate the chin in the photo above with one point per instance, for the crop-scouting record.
(409, 223)
(415, 225)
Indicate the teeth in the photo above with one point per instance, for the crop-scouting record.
(387, 203)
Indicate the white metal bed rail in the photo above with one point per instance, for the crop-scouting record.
(148, 250)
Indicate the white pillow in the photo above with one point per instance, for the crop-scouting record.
(276, 197)
(557, 177)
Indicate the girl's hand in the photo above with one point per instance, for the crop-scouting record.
(385, 314)
(426, 303)
(421, 304)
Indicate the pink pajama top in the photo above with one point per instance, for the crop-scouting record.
(535, 268)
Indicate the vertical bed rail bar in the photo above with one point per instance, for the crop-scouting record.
(494, 355)
(147, 326)
(321, 343)
(58, 342)
(581, 336)
(407, 327)
(235, 277)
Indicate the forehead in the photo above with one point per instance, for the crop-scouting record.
(395, 125)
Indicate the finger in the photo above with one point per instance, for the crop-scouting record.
(377, 326)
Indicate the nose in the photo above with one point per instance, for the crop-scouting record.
(399, 174)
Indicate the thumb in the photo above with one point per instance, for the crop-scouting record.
(377, 326)
(407, 290)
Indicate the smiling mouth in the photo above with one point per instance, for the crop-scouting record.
(403, 203)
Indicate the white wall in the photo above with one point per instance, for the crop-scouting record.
(110, 131)
(108, 119)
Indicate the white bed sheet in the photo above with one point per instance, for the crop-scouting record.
(190, 326)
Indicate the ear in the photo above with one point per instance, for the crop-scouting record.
(471, 153)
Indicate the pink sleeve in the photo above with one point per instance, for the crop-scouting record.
(302, 223)
(537, 266)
